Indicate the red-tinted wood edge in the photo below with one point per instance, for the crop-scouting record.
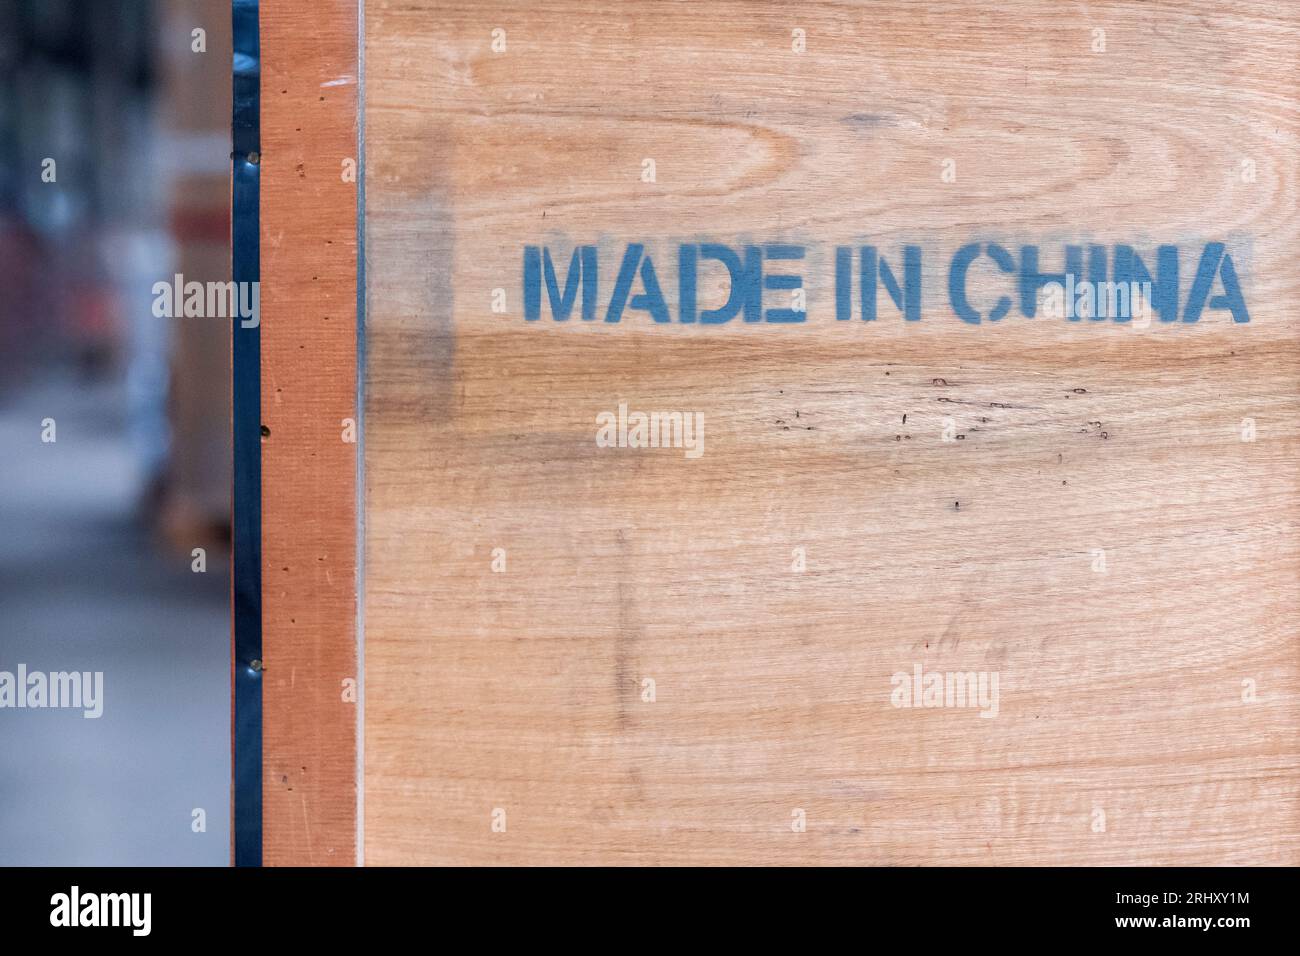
(309, 364)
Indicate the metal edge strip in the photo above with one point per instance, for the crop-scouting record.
(246, 544)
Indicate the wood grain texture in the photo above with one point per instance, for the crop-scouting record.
(1120, 691)
(309, 337)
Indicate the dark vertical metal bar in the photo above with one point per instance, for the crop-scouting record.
(246, 573)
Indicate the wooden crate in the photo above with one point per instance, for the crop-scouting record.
(585, 654)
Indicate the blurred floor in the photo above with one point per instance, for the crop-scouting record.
(83, 587)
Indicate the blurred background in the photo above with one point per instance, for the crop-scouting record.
(114, 175)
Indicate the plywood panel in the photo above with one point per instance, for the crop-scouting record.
(309, 337)
(1069, 506)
